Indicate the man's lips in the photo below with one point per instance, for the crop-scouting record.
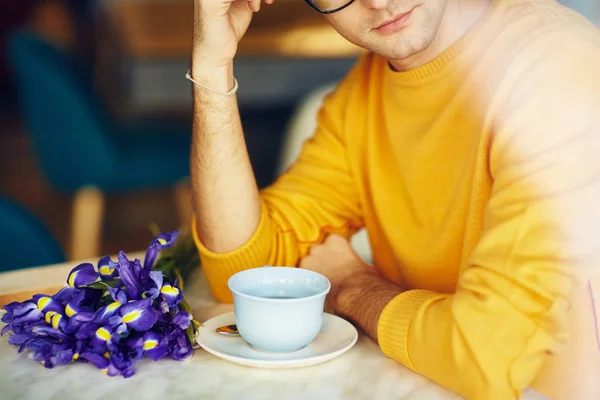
(396, 22)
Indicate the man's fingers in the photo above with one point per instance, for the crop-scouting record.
(313, 249)
(305, 262)
(254, 5)
(335, 238)
(210, 8)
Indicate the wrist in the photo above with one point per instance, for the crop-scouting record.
(363, 287)
(348, 288)
(214, 75)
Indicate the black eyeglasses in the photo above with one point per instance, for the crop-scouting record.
(329, 6)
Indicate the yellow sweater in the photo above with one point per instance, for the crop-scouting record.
(472, 175)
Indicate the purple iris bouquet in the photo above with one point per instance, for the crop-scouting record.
(110, 315)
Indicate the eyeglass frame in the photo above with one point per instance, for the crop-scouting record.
(314, 6)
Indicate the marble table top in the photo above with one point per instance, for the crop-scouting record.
(361, 373)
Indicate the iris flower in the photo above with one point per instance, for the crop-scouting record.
(180, 347)
(172, 294)
(107, 269)
(110, 316)
(162, 241)
(82, 275)
(129, 272)
(182, 320)
(137, 315)
(118, 298)
(155, 345)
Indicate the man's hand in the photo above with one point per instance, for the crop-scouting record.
(335, 259)
(218, 27)
(357, 291)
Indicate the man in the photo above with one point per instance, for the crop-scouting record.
(466, 142)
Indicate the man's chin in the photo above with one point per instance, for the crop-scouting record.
(396, 51)
(401, 46)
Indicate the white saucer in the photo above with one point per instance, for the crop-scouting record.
(336, 337)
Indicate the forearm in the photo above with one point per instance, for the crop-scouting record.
(362, 298)
(225, 196)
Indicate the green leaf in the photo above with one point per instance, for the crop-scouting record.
(196, 325)
(184, 306)
(154, 228)
(190, 334)
(164, 267)
(183, 257)
(103, 285)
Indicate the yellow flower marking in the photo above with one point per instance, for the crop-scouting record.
(150, 344)
(43, 302)
(131, 316)
(75, 356)
(103, 334)
(71, 281)
(56, 320)
(162, 241)
(70, 311)
(106, 355)
(112, 306)
(49, 316)
(169, 290)
(106, 270)
(104, 371)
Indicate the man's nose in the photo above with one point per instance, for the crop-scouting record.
(375, 4)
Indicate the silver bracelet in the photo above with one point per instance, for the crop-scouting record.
(230, 93)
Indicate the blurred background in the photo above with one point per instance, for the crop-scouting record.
(95, 115)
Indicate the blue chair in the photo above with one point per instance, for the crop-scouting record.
(81, 149)
(588, 8)
(24, 240)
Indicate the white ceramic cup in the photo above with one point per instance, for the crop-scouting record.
(278, 309)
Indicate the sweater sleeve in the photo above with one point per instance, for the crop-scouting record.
(491, 337)
(316, 196)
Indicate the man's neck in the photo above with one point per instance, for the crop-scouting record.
(459, 17)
